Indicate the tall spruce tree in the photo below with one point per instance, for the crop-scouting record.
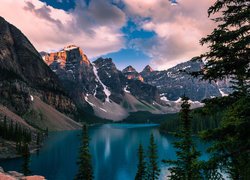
(153, 170)
(141, 167)
(231, 146)
(85, 170)
(26, 159)
(187, 166)
(229, 55)
(229, 42)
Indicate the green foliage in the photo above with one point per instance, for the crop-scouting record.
(141, 167)
(230, 150)
(187, 166)
(15, 133)
(26, 159)
(85, 171)
(153, 170)
(229, 53)
(205, 118)
(38, 139)
(148, 169)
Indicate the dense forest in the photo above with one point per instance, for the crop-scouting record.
(205, 118)
(14, 132)
(224, 122)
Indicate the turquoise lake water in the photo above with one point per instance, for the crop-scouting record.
(113, 148)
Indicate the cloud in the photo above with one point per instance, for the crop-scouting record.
(96, 26)
(93, 27)
(43, 12)
(178, 29)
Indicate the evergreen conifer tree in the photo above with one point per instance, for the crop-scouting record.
(85, 170)
(26, 159)
(141, 167)
(230, 149)
(187, 166)
(153, 170)
(229, 53)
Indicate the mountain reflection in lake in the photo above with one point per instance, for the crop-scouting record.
(113, 148)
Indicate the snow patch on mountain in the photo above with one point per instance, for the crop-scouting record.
(126, 89)
(105, 89)
(90, 103)
(31, 98)
(164, 98)
(107, 110)
(222, 93)
(71, 47)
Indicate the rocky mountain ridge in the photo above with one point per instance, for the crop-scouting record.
(31, 95)
(131, 73)
(99, 85)
(23, 73)
(111, 93)
(177, 81)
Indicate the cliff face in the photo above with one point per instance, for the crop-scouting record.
(23, 74)
(147, 71)
(13, 175)
(130, 73)
(176, 81)
(99, 85)
(76, 74)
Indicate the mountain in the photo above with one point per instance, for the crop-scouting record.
(100, 87)
(130, 73)
(25, 78)
(32, 98)
(146, 71)
(176, 81)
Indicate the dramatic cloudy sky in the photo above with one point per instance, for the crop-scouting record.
(161, 33)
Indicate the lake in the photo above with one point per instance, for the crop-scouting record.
(113, 148)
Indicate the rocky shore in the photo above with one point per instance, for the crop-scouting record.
(13, 175)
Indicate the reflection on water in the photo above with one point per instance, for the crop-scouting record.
(113, 149)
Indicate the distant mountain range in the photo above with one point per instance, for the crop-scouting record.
(81, 89)
(176, 81)
(113, 94)
(40, 91)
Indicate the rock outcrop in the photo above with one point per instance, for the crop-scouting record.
(177, 81)
(98, 85)
(146, 71)
(23, 74)
(130, 73)
(13, 175)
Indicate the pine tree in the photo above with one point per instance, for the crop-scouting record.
(153, 168)
(85, 170)
(141, 167)
(229, 53)
(38, 139)
(11, 131)
(187, 166)
(26, 159)
(230, 149)
(5, 128)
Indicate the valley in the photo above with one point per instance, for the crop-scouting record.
(123, 90)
